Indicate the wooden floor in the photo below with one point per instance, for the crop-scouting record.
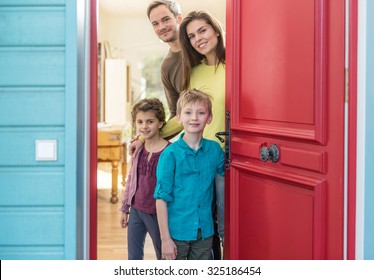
(111, 238)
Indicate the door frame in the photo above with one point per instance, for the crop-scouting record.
(352, 34)
(351, 139)
(93, 132)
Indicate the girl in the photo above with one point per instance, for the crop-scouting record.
(138, 205)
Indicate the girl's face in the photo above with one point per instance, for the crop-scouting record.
(202, 37)
(147, 124)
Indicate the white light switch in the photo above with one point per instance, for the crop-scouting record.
(46, 149)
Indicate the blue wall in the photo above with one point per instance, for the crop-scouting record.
(38, 101)
(369, 179)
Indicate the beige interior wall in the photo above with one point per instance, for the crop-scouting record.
(132, 37)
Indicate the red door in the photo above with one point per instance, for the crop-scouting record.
(285, 86)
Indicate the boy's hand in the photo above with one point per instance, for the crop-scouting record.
(168, 249)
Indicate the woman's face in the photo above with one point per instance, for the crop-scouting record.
(202, 37)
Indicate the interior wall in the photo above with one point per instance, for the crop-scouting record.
(132, 37)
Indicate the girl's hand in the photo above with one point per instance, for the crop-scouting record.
(124, 220)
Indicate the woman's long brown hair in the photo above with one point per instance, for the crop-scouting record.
(190, 57)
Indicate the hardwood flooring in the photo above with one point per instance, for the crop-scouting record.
(111, 238)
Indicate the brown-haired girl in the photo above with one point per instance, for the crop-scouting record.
(138, 205)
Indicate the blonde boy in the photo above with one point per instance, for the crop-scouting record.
(185, 182)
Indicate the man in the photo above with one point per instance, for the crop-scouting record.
(165, 17)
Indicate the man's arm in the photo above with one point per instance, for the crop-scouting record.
(136, 143)
(171, 128)
(171, 77)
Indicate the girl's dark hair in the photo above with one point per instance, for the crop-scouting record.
(190, 57)
(149, 104)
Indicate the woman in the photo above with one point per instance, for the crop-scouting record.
(203, 60)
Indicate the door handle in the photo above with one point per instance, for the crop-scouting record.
(226, 139)
(226, 147)
(220, 134)
(271, 153)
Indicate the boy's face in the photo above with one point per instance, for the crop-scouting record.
(147, 124)
(164, 23)
(194, 117)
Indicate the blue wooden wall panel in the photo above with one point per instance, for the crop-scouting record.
(20, 148)
(38, 100)
(32, 67)
(32, 226)
(32, 2)
(37, 187)
(32, 253)
(39, 107)
(29, 26)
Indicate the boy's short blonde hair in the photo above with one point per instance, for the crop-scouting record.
(194, 96)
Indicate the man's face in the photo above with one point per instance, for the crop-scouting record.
(164, 23)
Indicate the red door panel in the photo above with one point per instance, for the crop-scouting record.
(282, 52)
(285, 86)
(285, 60)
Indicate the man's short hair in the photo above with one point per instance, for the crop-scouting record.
(173, 6)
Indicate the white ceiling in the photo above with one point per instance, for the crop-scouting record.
(136, 8)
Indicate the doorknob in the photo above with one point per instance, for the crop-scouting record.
(271, 153)
(264, 154)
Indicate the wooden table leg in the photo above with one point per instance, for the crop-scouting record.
(114, 197)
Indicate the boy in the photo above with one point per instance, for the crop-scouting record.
(185, 183)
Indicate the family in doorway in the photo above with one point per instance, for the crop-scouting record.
(175, 191)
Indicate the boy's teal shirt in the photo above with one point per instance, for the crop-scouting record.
(185, 181)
